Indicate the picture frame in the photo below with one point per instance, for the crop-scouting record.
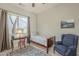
(68, 23)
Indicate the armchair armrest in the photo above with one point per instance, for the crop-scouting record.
(58, 42)
(71, 51)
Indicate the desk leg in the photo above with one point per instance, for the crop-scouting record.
(12, 46)
(53, 49)
(47, 50)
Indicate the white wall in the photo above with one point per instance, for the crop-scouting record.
(49, 21)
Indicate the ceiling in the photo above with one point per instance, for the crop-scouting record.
(39, 7)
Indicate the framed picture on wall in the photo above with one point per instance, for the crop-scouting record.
(68, 23)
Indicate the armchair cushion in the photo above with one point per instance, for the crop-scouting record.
(60, 48)
(72, 47)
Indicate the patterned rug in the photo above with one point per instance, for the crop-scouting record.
(28, 51)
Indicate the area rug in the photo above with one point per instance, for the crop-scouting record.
(28, 51)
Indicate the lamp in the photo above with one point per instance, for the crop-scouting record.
(19, 31)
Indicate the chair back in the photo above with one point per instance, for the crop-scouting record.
(69, 39)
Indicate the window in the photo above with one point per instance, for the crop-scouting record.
(18, 25)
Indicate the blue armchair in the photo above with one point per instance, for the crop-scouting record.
(67, 46)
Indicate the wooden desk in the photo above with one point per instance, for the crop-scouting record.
(12, 45)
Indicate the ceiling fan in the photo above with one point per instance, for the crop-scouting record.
(33, 4)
